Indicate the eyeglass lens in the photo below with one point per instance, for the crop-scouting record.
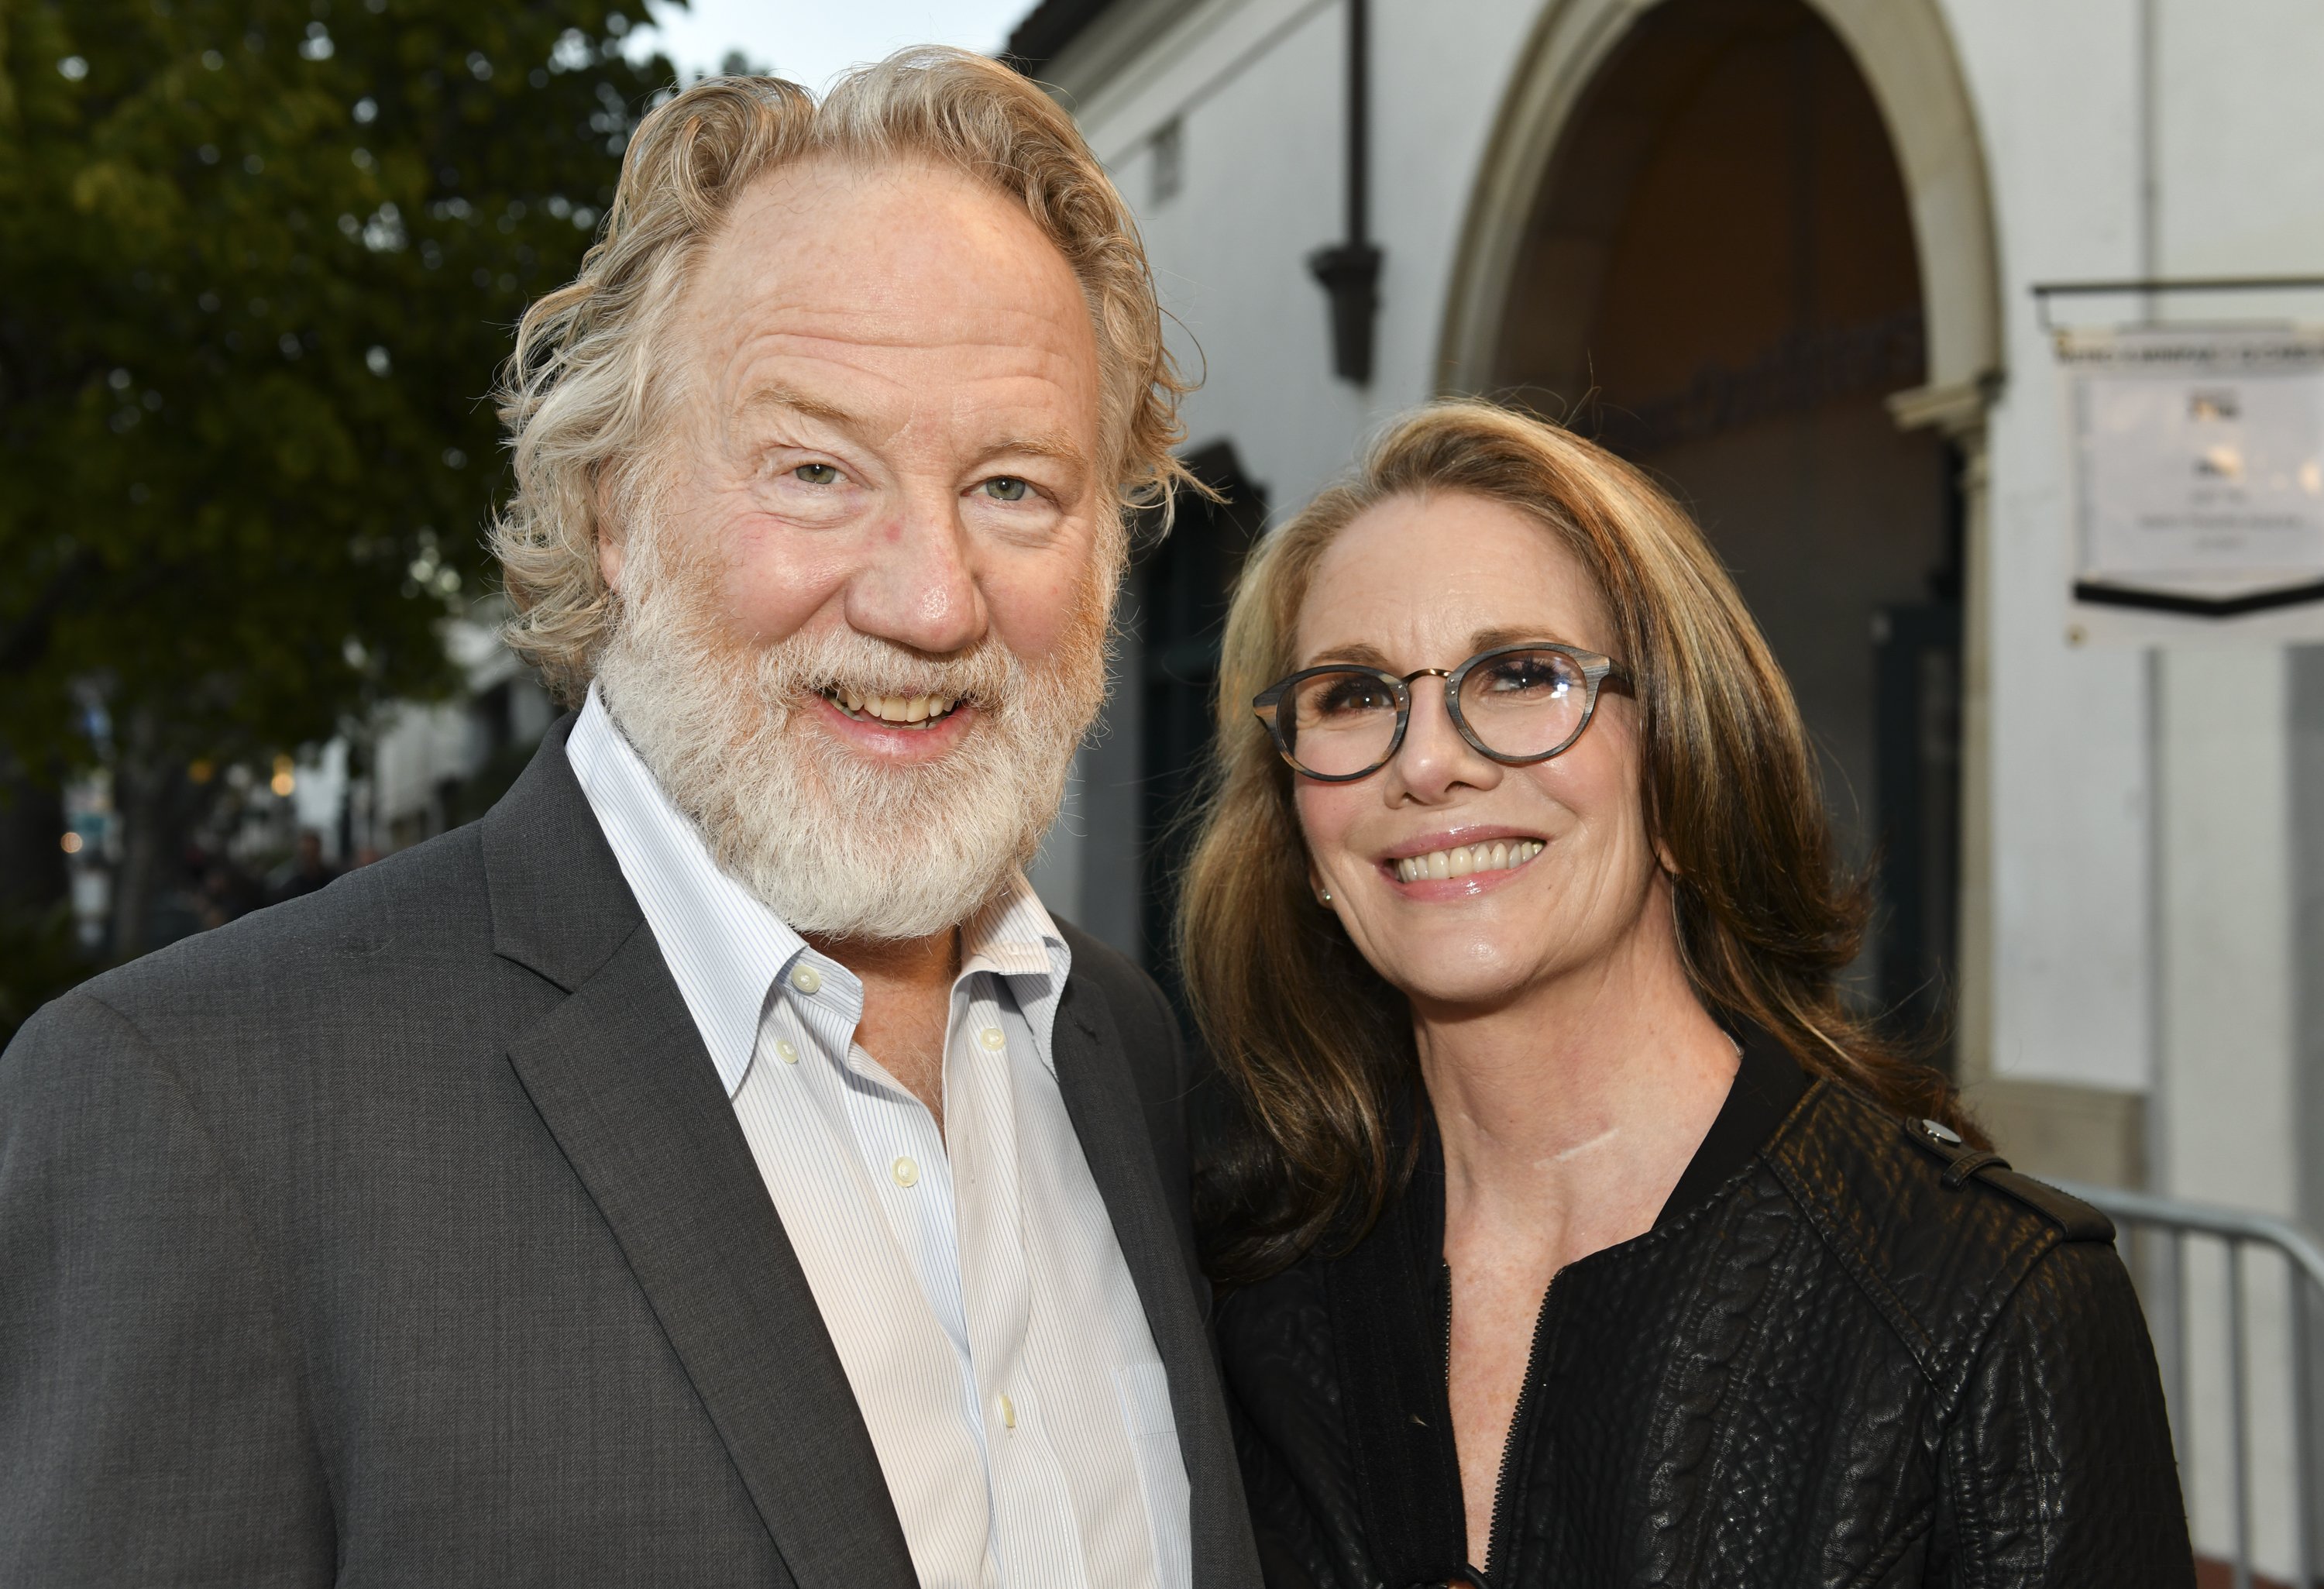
(1520, 704)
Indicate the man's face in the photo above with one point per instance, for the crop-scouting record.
(863, 610)
(892, 427)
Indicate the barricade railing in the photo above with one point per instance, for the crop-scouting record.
(2163, 1230)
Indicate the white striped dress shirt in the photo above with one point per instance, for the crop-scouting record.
(969, 1278)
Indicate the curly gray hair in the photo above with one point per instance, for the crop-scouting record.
(580, 396)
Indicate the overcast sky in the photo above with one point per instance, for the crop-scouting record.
(812, 40)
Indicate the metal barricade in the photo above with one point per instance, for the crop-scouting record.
(2162, 1229)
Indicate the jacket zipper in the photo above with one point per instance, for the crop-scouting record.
(1496, 1547)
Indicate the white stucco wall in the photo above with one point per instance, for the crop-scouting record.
(2071, 887)
(2089, 966)
(1262, 150)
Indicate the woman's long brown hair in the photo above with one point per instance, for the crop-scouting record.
(1315, 1046)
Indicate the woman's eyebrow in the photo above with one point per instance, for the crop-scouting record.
(1356, 654)
(1488, 640)
(1359, 654)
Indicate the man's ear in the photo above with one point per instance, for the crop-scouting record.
(611, 544)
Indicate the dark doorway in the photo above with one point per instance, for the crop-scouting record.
(1720, 282)
(1182, 585)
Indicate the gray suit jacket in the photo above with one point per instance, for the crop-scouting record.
(404, 1234)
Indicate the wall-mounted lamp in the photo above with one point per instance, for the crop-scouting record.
(1349, 270)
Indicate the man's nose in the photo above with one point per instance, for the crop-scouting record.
(915, 587)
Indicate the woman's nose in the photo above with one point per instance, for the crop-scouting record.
(1434, 758)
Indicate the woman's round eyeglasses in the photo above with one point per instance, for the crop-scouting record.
(1517, 704)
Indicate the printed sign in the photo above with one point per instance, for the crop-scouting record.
(2199, 465)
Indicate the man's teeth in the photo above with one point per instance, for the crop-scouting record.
(1463, 859)
(900, 709)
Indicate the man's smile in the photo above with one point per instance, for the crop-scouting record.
(892, 711)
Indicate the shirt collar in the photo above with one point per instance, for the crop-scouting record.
(726, 950)
(1015, 936)
(723, 948)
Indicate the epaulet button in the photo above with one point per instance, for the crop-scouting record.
(2078, 1220)
(1961, 1160)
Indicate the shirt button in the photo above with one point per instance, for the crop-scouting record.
(804, 979)
(906, 1172)
(1007, 1413)
(787, 1049)
(993, 1038)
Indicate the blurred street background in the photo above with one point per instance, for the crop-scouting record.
(1987, 339)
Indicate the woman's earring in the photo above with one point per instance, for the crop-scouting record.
(1324, 897)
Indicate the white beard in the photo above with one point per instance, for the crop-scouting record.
(833, 843)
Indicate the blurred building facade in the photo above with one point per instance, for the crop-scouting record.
(431, 766)
(1781, 252)
(421, 768)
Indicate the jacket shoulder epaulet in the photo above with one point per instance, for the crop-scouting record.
(2075, 1220)
(1938, 1233)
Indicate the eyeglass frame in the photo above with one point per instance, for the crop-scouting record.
(1596, 668)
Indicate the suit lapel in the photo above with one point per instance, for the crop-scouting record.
(1102, 1101)
(620, 1076)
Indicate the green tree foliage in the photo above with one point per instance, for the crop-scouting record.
(259, 261)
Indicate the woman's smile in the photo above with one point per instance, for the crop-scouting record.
(1470, 860)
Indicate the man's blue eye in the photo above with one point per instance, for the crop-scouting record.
(816, 475)
(1005, 489)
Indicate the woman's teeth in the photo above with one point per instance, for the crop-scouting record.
(1463, 859)
(897, 711)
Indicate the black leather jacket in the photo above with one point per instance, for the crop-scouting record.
(1850, 1353)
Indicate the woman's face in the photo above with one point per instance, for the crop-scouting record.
(1429, 582)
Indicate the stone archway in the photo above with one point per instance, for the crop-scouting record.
(1905, 54)
(1505, 274)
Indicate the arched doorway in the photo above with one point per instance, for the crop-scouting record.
(1716, 270)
